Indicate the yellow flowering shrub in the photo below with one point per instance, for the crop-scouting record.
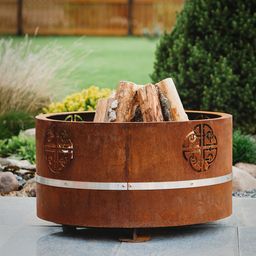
(85, 100)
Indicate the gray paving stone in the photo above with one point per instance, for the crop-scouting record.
(16, 211)
(51, 241)
(245, 211)
(243, 214)
(22, 233)
(6, 232)
(212, 241)
(82, 243)
(247, 241)
(24, 240)
(192, 241)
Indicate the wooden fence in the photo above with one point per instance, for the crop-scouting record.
(88, 17)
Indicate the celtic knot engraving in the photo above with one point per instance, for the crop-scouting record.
(58, 149)
(200, 147)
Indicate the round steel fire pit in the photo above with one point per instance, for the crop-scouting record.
(134, 175)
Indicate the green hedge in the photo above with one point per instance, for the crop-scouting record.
(244, 148)
(211, 54)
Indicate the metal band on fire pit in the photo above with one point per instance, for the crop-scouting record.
(133, 185)
(81, 184)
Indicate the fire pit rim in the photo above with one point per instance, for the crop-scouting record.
(50, 117)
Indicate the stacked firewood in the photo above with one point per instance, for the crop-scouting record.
(142, 103)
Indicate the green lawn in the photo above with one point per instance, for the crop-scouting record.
(110, 60)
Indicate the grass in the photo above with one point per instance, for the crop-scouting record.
(29, 73)
(103, 61)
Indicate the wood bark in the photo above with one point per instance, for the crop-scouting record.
(149, 103)
(170, 101)
(126, 101)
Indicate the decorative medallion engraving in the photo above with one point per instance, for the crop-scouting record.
(200, 147)
(58, 149)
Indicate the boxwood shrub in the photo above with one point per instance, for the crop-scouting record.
(211, 54)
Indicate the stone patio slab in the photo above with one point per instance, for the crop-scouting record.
(22, 233)
(247, 240)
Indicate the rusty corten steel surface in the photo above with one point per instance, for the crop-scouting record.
(134, 152)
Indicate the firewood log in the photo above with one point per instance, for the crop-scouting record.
(102, 113)
(125, 102)
(170, 101)
(149, 103)
(102, 110)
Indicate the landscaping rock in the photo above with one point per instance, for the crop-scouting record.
(22, 172)
(19, 164)
(4, 162)
(8, 182)
(242, 180)
(20, 180)
(11, 168)
(30, 188)
(29, 132)
(20, 167)
(249, 193)
(25, 174)
(250, 168)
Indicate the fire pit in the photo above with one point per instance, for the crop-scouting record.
(134, 175)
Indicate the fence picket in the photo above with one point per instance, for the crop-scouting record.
(88, 17)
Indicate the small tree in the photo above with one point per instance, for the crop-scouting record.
(211, 55)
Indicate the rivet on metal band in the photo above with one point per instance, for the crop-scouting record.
(133, 185)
